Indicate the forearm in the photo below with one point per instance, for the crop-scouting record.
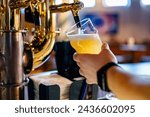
(127, 86)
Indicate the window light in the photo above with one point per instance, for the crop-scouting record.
(87, 3)
(59, 1)
(113, 3)
(22, 11)
(145, 2)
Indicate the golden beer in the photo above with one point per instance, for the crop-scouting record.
(86, 43)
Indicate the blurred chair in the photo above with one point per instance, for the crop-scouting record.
(122, 56)
(146, 56)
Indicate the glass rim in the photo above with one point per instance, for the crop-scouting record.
(74, 25)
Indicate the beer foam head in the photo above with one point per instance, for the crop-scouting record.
(84, 36)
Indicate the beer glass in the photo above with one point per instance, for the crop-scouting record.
(84, 38)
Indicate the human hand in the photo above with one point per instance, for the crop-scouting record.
(90, 63)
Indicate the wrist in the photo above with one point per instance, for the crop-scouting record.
(102, 77)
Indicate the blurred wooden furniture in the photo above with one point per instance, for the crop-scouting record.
(122, 56)
(136, 51)
(146, 56)
(129, 54)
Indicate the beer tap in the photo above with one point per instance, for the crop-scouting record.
(74, 7)
(16, 55)
(12, 79)
(45, 26)
(76, 15)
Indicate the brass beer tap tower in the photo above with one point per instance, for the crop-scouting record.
(18, 58)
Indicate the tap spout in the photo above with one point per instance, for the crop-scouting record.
(75, 7)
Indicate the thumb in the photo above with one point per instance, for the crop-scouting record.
(105, 46)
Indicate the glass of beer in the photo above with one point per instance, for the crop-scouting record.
(84, 39)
